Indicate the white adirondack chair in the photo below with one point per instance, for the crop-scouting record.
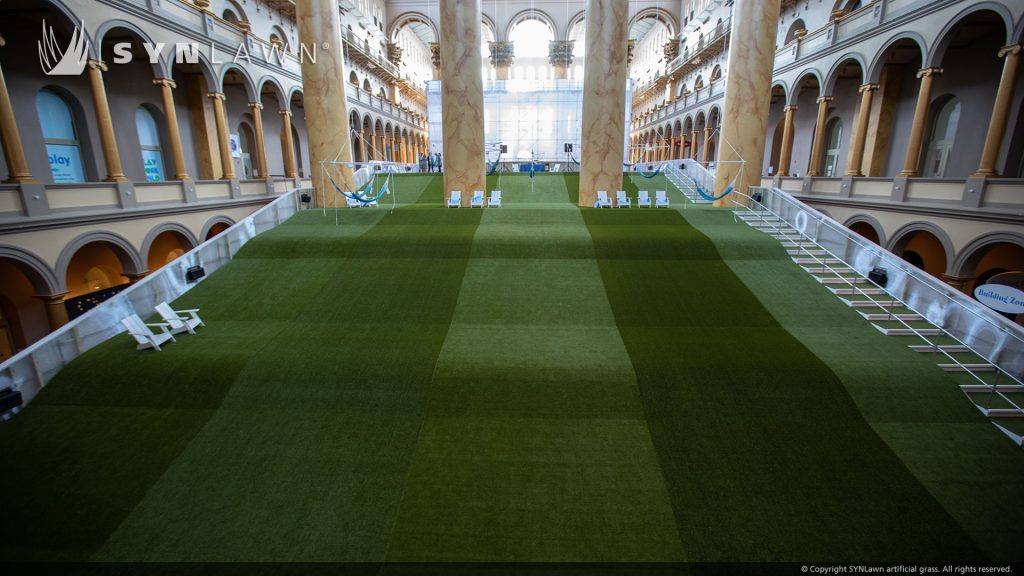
(660, 200)
(602, 199)
(623, 201)
(144, 336)
(177, 319)
(456, 199)
(495, 200)
(643, 199)
(477, 201)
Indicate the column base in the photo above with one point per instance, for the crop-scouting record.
(182, 177)
(116, 178)
(908, 174)
(985, 174)
(21, 179)
(854, 174)
(813, 173)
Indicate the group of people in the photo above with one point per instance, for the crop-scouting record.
(430, 162)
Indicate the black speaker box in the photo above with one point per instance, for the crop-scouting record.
(195, 273)
(504, 148)
(878, 276)
(9, 400)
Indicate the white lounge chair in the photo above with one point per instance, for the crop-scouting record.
(660, 200)
(477, 201)
(602, 199)
(456, 199)
(144, 336)
(643, 198)
(621, 200)
(177, 319)
(495, 200)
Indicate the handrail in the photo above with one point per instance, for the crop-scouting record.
(959, 317)
(31, 369)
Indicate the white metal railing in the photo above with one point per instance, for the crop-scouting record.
(958, 316)
(31, 369)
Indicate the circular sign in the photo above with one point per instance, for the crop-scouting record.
(1001, 298)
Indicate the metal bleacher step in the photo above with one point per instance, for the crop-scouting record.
(805, 252)
(870, 303)
(908, 331)
(841, 280)
(817, 261)
(808, 245)
(948, 348)
(828, 269)
(882, 316)
(838, 291)
(1003, 388)
(964, 367)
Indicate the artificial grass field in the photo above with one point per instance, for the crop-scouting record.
(536, 383)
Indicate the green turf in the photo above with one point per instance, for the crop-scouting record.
(535, 383)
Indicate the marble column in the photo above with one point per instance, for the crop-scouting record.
(745, 112)
(693, 144)
(818, 147)
(924, 95)
(173, 133)
(261, 149)
(705, 155)
(106, 125)
(226, 161)
(367, 146)
(502, 57)
(462, 98)
(288, 148)
(1000, 112)
(786, 154)
(14, 152)
(560, 57)
(853, 164)
(323, 88)
(604, 99)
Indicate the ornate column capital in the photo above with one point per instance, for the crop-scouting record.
(435, 54)
(933, 71)
(256, 105)
(822, 99)
(285, 113)
(671, 50)
(502, 53)
(1013, 49)
(560, 52)
(867, 88)
(629, 51)
(202, 4)
(790, 108)
(216, 96)
(97, 65)
(395, 53)
(165, 82)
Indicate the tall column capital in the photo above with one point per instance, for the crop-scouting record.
(928, 72)
(164, 82)
(671, 50)
(394, 53)
(285, 113)
(868, 88)
(216, 96)
(502, 53)
(1011, 50)
(435, 54)
(824, 99)
(560, 52)
(790, 108)
(630, 45)
(97, 65)
(258, 105)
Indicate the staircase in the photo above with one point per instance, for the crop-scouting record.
(995, 393)
(685, 185)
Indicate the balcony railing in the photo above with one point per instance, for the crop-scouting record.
(368, 100)
(685, 102)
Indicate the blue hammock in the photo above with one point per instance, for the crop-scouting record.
(728, 190)
(363, 197)
(652, 174)
(494, 166)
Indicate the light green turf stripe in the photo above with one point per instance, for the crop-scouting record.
(535, 447)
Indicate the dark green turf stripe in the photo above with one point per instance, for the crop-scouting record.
(765, 455)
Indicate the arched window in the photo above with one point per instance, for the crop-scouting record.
(246, 138)
(149, 141)
(230, 16)
(797, 26)
(366, 85)
(944, 125)
(353, 79)
(833, 139)
(61, 137)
